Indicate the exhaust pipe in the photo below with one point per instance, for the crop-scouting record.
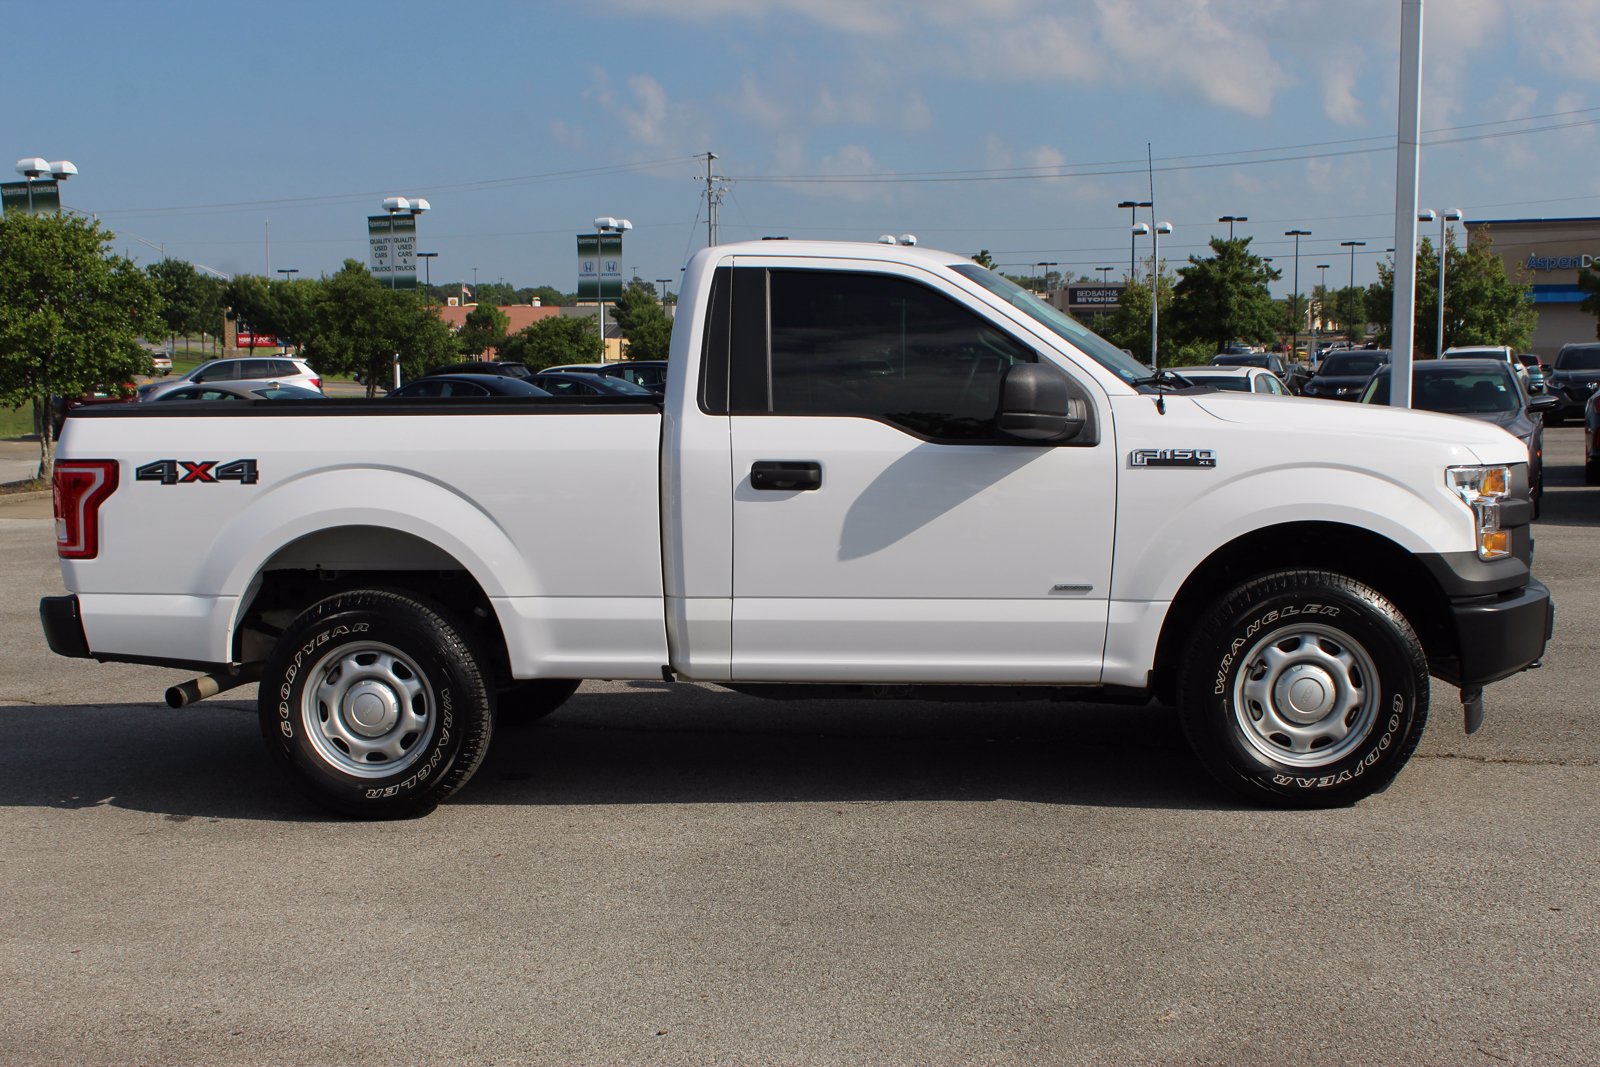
(209, 685)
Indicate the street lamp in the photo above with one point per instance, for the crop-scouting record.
(663, 282)
(427, 267)
(1322, 311)
(1139, 230)
(1230, 220)
(34, 168)
(1105, 274)
(1046, 265)
(1294, 342)
(286, 271)
(1133, 207)
(1445, 218)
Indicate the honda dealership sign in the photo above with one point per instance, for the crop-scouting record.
(599, 266)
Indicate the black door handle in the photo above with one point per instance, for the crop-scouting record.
(784, 475)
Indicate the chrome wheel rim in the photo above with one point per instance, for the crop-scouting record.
(1306, 695)
(368, 710)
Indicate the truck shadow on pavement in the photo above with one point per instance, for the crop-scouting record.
(636, 745)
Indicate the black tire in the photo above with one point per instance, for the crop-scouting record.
(1304, 689)
(402, 663)
(522, 703)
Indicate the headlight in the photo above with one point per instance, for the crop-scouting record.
(1482, 489)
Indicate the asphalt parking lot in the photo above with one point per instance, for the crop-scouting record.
(685, 875)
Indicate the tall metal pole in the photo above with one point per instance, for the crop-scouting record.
(1155, 293)
(1294, 342)
(711, 202)
(1408, 165)
(1445, 217)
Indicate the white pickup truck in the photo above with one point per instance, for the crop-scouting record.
(875, 470)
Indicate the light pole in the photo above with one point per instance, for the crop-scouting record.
(427, 267)
(1133, 207)
(1045, 265)
(34, 168)
(603, 225)
(663, 282)
(286, 271)
(1352, 246)
(1294, 342)
(1139, 230)
(1322, 311)
(1230, 220)
(1445, 218)
(1105, 274)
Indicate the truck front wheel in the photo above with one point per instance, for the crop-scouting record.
(1304, 689)
(376, 705)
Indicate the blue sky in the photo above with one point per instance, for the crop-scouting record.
(1010, 125)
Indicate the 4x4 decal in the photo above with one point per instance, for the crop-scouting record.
(203, 471)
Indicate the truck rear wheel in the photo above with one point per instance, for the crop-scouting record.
(1304, 689)
(375, 704)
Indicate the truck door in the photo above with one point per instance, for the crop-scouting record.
(882, 530)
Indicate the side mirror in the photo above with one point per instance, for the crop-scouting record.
(1542, 402)
(1037, 403)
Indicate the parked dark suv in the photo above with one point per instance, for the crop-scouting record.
(1572, 380)
(1342, 375)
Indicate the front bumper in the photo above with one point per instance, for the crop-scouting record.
(1503, 633)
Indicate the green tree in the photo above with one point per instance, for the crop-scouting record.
(1589, 282)
(1483, 305)
(1129, 325)
(637, 304)
(361, 326)
(190, 301)
(1223, 297)
(983, 259)
(484, 328)
(650, 339)
(71, 314)
(247, 300)
(554, 341)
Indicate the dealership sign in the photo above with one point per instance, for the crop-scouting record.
(392, 240)
(600, 266)
(1538, 262)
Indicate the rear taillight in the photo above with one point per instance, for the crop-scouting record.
(316, 383)
(79, 487)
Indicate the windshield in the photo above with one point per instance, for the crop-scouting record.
(1231, 360)
(1586, 357)
(1473, 392)
(1058, 322)
(1351, 364)
(1237, 383)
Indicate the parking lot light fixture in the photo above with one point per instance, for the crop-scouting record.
(1230, 220)
(427, 267)
(1445, 218)
(1133, 207)
(1294, 342)
(33, 168)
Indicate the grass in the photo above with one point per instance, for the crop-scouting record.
(16, 422)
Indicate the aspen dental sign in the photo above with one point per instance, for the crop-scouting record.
(1538, 262)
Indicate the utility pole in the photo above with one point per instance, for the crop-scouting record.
(714, 190)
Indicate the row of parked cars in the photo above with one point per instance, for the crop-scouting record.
(1492, 383)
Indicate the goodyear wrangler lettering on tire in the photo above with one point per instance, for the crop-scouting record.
(376, 704)
(1304, 687)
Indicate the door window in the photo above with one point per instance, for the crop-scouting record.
(857, 344)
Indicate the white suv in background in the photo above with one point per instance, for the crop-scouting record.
(1504, 353)
(285, 370)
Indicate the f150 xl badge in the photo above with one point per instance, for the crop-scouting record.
(1172, 457)
(202, 471)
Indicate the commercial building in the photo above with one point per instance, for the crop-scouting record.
(1548, 253)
